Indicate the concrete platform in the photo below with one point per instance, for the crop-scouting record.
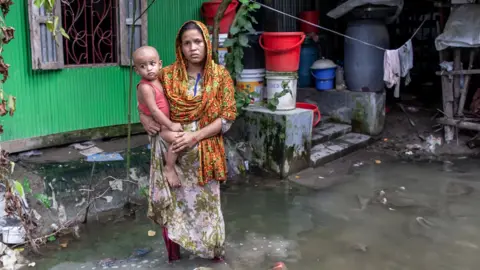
(336, 148)
(280, 140)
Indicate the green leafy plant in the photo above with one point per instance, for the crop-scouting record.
(26, 186)
(43, 199)
(272, 103)
(143, 191)
(241, 27)
(52, 21)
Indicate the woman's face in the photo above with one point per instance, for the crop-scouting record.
(193, 46)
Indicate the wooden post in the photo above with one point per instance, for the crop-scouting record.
(458, 72)
(216, 27)
(448, 100)
(459, 123)
(466, 83)
(457, 65)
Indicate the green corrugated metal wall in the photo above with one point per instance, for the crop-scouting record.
(51, 102)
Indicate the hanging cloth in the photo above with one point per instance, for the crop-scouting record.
(405, 54)
(391, 70)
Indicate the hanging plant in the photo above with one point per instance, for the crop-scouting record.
(52, 21)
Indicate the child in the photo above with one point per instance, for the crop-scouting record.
(152, 102)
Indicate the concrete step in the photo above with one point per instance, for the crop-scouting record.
(329, 131)
(337, 148)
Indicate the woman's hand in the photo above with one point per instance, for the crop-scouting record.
(184, 140)
(149, 124)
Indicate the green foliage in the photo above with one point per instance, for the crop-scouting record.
(242, 25)
(26, 185)
(19, 188)
(143, 191)
(44, 200)
(52, 21)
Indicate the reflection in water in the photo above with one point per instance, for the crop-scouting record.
(389, 216)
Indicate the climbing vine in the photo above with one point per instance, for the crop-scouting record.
(241, 27)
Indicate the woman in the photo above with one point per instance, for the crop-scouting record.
(201, 96)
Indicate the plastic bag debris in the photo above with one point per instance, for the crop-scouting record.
(103, 157)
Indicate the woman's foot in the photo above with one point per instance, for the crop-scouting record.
(218, 259)
(173, 258)
(172, 177)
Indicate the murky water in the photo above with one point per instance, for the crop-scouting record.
(394, 216)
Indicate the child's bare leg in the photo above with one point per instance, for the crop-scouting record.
(170, 172)
(167, 135)
(170, 159)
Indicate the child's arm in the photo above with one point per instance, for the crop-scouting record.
(148, 97)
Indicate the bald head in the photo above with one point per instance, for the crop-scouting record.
(145, 54)
(146, 62)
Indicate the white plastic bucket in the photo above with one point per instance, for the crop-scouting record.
(13, 235)
(252, 80)
(221, 50)
(274, 85)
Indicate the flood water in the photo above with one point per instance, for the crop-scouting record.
(395, 215)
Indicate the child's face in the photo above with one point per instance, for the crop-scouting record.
(147, 65)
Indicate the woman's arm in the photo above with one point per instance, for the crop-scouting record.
(209, 131)
(186, 140)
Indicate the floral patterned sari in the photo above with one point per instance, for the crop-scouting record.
(192, 213)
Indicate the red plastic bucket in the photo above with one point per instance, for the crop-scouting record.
(314, 108)
(282, 50)
(310, 16)
(209, 9)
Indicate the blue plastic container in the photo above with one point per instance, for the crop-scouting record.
(308, 55)
(324, 73)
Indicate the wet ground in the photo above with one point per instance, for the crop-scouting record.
(392, 215)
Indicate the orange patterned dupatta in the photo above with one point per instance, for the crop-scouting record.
(216, 101)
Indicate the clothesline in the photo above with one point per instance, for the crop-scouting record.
(333, 31)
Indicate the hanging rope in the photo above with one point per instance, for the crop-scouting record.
(332, 31)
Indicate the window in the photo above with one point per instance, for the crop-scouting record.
(99, 30)
(92, 28)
